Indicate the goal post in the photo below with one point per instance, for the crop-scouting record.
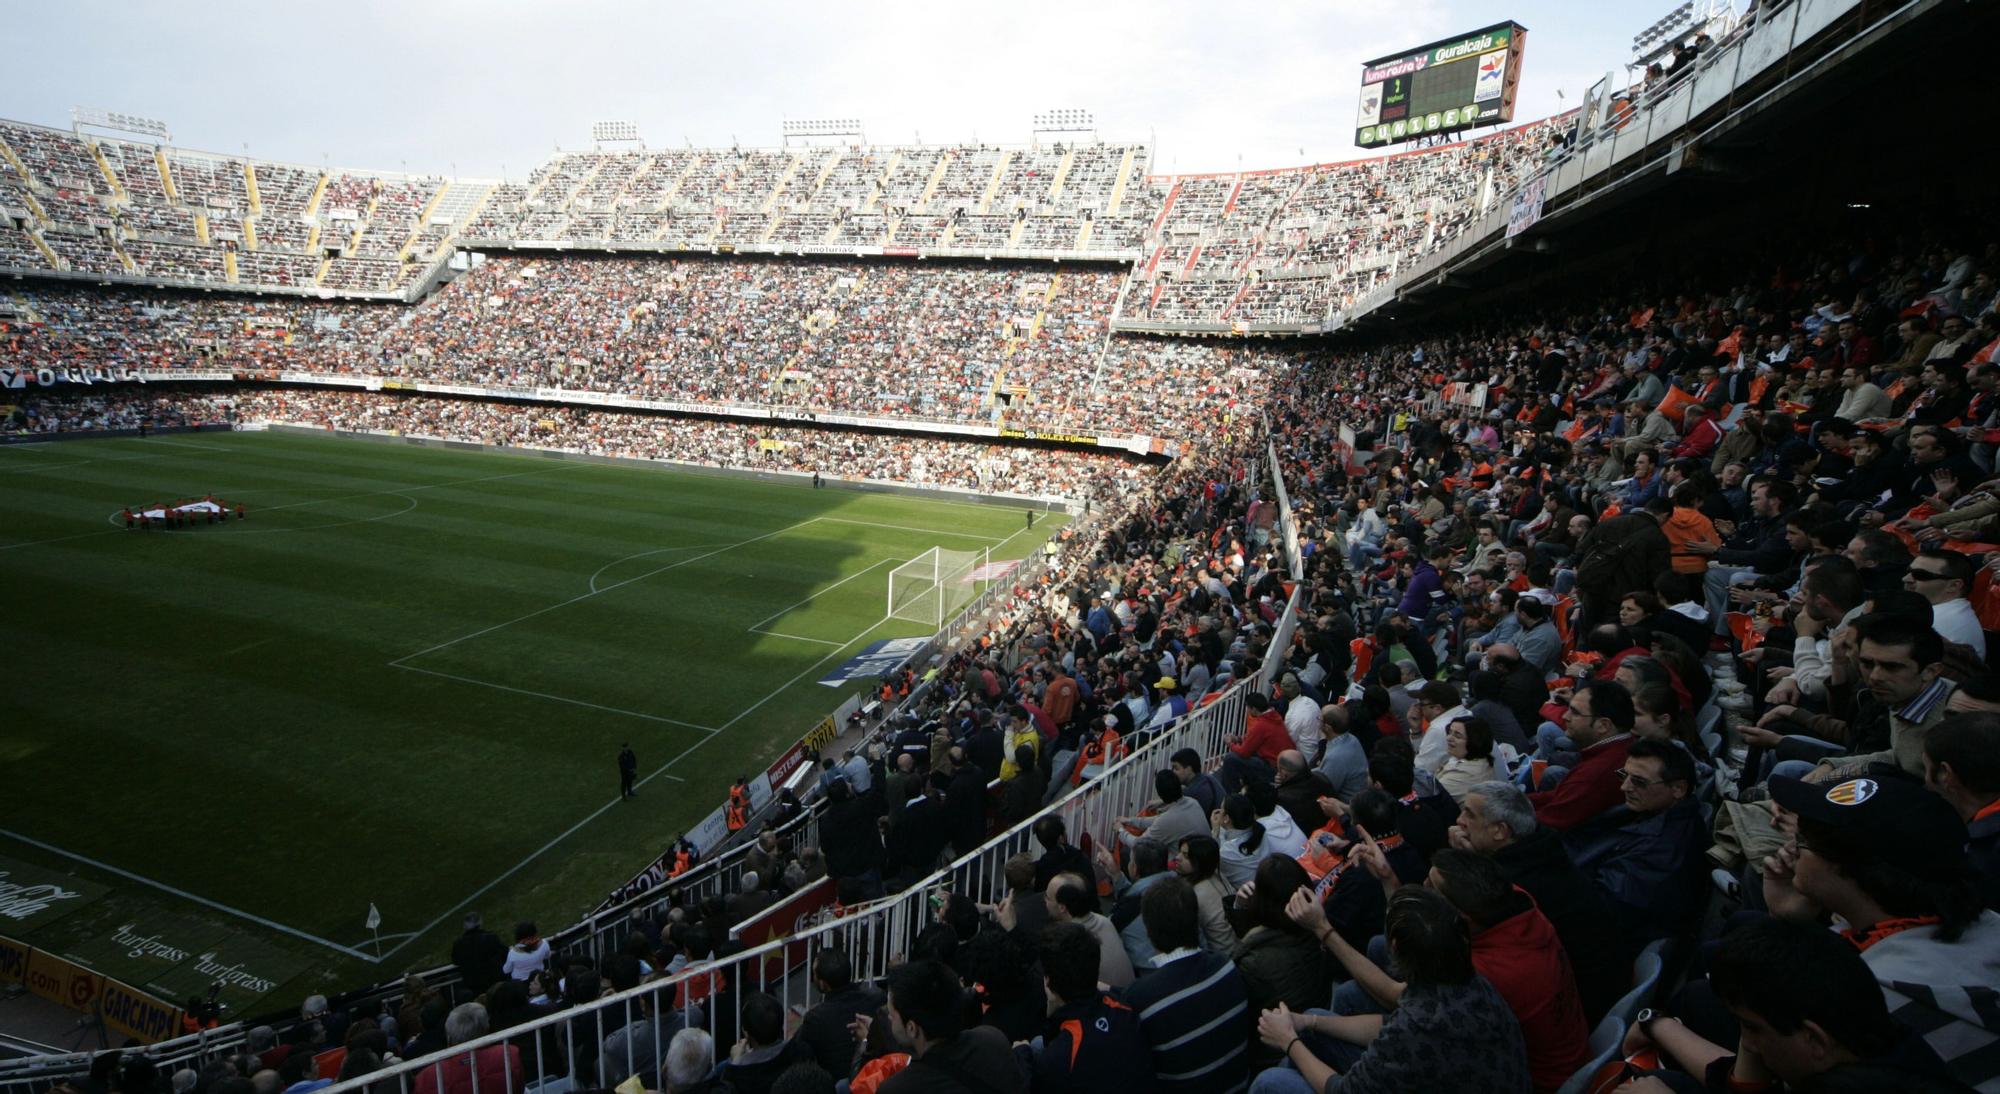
(933, 586)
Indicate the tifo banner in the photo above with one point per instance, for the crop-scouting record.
(14, 961)
(63, 982)
(34, 896)
(1472, 395)
(880, 657)
(1527, 207)
(133, 1013)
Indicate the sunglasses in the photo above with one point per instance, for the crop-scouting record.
(1639, 782)
(1925, 575)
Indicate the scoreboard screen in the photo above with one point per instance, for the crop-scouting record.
(1443, 87)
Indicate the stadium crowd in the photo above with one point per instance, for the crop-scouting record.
(1638, 714)
(1023, 345)
(114, 409)
(917, 459)
(1284, 245)
(97, 213)
(1520, 800)
(861, 196)
(1287, 246)
(1642, 660)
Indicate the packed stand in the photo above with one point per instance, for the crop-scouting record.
(1526, 803)
(120, 409)
(1289, 246)
(1017, 345)
(919, 460)
(109, 206)
(860, 196)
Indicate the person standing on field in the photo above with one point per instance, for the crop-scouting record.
(628, 771)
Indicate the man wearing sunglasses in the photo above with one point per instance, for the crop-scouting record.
(1647, 856)
(1942, 577)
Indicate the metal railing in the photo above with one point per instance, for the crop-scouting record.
(603, 932)
(569, 1045)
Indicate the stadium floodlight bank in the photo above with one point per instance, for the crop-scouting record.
(931, 587)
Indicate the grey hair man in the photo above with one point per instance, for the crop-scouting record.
(1496, 820)
(466, 1022)
(690, 1059)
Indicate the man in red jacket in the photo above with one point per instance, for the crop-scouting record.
(1599, 720)
(1515, 948)
(1255, 753)
(1699, 435)
(499, 1065)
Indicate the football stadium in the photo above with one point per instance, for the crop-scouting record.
(1498, 605)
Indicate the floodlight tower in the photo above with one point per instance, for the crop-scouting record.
(1064, 122)
(811, 131)
(620, 133)
(1677, 26)
(90, 117)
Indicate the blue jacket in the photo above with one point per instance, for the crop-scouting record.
(1651, 868)
(1424, 587)
(1090, 1047)
(1100, 622)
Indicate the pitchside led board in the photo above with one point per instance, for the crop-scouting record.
(1443, 87)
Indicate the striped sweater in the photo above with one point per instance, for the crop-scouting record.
(1196, 1018)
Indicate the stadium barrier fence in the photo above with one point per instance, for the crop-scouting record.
(566, 1046)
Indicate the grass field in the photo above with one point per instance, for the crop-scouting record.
(405, 678)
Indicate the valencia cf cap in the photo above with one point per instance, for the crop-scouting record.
(1886, 816)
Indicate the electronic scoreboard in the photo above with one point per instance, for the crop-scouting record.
(1441, 88)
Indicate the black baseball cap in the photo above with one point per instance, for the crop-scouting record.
(1888, 817)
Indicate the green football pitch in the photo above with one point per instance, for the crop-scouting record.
(403, 681)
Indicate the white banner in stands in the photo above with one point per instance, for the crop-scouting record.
(186, 374)
(1527, 207)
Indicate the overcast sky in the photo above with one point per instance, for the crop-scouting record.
(489, 87)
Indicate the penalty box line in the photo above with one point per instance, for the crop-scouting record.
(758, 627)
(403, 661)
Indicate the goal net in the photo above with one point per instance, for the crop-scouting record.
(933, 586)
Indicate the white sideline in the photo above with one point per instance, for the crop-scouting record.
(544, 848)
(608, 806)
(187, 444)
(595, 592)
(185, 895)
(810, 599)
(78, 463)
(796, 637)
(745, 712)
